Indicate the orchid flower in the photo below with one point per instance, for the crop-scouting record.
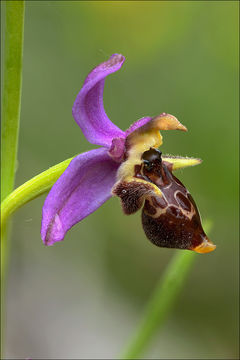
(128, 165)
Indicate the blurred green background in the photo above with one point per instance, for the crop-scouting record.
(83, 297)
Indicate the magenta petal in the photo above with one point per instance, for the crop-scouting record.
(88, 110)
(84, 186)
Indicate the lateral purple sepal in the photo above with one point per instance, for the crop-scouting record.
(84, 186)
(88, 110)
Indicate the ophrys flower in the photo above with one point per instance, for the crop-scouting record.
(127, 165)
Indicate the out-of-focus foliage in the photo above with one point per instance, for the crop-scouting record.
(83, 297)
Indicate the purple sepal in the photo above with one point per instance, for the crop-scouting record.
(84, 186)
(88, 110)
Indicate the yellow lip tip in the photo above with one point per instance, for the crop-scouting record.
(182, 127)
(206, 247)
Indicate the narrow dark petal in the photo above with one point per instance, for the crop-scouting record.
(84, 186)
(88, 110)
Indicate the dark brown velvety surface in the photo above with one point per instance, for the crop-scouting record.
(178, 224)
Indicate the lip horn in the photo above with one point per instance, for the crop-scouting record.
(167, 122)
(205, 247)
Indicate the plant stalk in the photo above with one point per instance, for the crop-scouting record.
(161, 302)
(12, 85)
(11, 104)
(31, 189)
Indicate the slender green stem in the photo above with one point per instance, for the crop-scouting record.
(31, 189)
(161, 303)
(12, 85)
(12, 75)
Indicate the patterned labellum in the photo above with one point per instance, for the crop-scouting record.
(170, 217)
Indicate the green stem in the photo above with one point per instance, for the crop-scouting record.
(161, 302)
(12, 85)
(31, 189)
